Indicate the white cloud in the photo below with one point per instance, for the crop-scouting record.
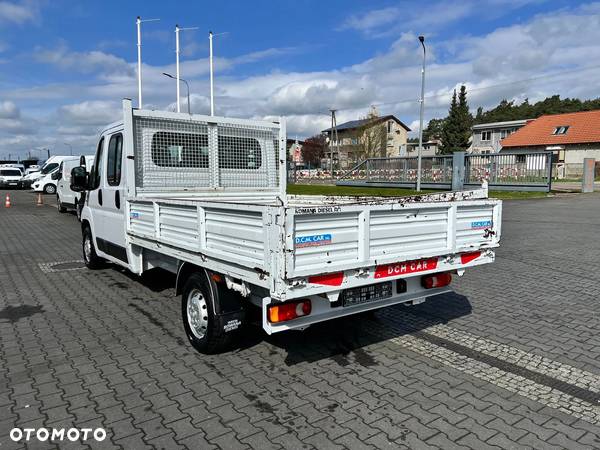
(94, 61)
(489, 65)
(17, 12)
(9, 110)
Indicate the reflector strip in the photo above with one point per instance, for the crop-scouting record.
(468, 257)
(329, 279)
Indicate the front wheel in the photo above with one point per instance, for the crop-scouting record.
(91, 259)
(199, 320)
(50, 189)
(61, 208)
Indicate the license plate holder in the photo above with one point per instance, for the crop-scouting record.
(366, 294)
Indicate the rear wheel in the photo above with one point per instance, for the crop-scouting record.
(199, 320)
(50, 189)
(91, 259)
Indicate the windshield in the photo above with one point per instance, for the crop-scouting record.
(49, 168)
(10, 172)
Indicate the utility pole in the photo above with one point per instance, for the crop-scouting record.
(422, 41)
(333, 127)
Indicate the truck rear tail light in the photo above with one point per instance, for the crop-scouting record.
(289, 311)
(436, 281)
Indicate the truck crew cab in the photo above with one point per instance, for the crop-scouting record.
(205, 198)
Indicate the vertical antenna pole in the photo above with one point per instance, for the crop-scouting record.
(212, 92)
(139, 51)
(177, 63)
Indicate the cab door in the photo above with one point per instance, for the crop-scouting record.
(94, 197)
(110, 236)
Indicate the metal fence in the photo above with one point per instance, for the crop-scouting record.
(436, 172)
(515, 171)
(502, 171)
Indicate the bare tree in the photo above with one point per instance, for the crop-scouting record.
(370, 140)
(313, 150)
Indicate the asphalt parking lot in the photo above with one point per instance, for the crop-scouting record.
(510, 360)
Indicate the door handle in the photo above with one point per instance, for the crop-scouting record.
(100, 197)
(117, 199)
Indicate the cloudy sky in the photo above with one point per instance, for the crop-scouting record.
(66, 65)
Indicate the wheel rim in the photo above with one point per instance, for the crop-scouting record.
(197, 313)
(87, 248)
(50, 190)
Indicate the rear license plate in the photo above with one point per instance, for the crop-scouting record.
(366, 294)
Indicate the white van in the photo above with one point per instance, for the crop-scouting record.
(42, 181)
(65, 197)
(10, 177)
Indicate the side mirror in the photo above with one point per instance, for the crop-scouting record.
(56, 175)
(79, 179)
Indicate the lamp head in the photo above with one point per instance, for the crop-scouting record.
(422, 39)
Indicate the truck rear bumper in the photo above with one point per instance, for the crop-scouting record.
(323, 309)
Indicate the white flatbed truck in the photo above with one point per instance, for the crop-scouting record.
(205, 197)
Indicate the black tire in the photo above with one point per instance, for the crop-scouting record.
(61, 208)
(49, 189)
(91, 259)
(206, 337)
(78, 208)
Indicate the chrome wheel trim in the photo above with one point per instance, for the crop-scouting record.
(197, 313)
(87, 247)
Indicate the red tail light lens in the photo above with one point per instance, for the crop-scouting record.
(289, 311)
(436, 281)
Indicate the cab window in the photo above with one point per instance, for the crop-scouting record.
(113, 163)
(95, 174)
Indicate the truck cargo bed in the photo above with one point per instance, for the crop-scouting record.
(278, 246)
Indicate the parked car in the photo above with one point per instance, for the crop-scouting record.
(205, 198)
(68, 199)
(32, 169)
(19, 166)
(10, 177)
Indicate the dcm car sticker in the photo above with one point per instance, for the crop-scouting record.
(313, 240)
(481, 224)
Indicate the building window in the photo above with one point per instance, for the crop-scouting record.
(486, 135)
(505, 133)
(389, 126)
(561, 130)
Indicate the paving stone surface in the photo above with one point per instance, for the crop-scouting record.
(106, 349)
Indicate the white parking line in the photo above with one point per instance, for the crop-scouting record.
(479, 368)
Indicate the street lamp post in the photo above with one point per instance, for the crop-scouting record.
(422, 41)
(70, 147)
(188, 89)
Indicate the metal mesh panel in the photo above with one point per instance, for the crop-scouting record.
(178, 154)
(248, 156)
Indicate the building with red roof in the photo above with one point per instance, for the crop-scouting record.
(571, 136)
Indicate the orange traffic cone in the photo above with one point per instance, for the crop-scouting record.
(7, 201)
(39, 202)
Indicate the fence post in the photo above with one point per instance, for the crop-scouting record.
(368, 170)
(549, 171)
(587, 184)
(458, 171)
